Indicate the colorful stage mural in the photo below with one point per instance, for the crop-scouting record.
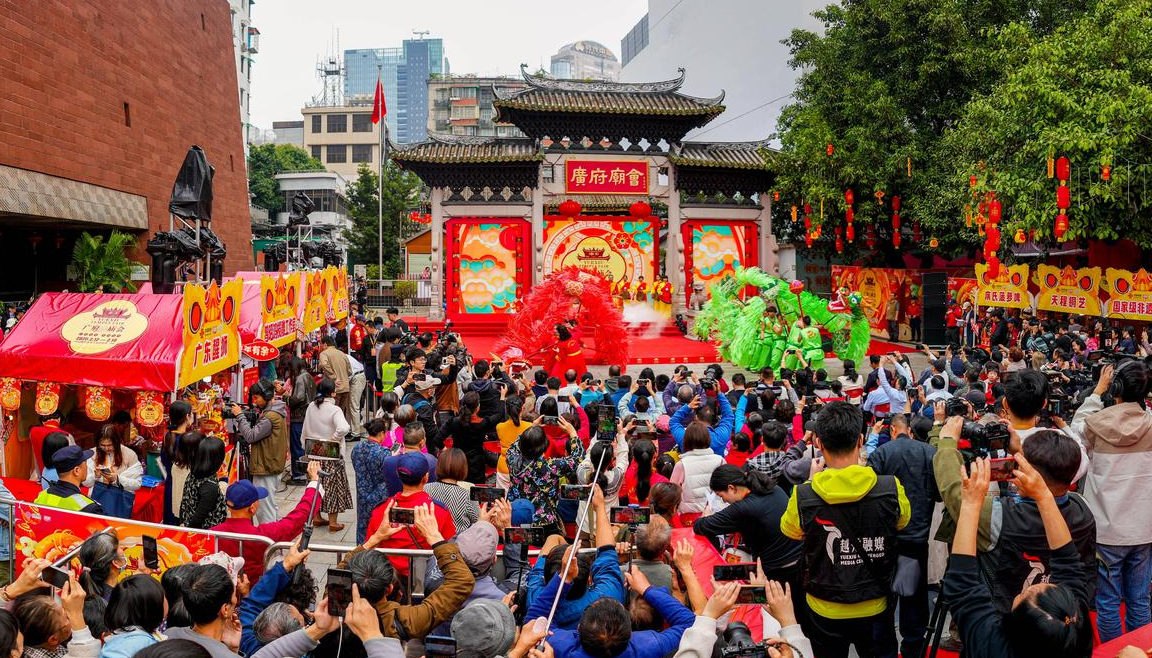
(877, 286)
(615, 247)
(714, 251)
(488, 260)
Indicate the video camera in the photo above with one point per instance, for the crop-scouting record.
(984, 438)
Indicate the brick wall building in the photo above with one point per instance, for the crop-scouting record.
(99, 101)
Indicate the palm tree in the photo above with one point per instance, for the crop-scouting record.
(104, 265)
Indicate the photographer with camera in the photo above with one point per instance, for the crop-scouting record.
(1118, 490)
(1018, 529)
(700, 641)
(264, 427)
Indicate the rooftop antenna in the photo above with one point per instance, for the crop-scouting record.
(421, 33)
(330, 71)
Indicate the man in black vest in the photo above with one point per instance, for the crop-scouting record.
(1013, 549)
(848, 518)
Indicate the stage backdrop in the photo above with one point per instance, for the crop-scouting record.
(713, 250)
(877, 286)
(488, 267)
(617, 246)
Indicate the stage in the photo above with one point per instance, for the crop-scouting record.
(650, 343)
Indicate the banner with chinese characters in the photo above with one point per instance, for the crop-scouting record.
(211, 330)
(618, 248)
(488, 265)
(1067, 290)
(606, 176)
(1130, 294)
(1008, 289)
(713, 251)
(315, 300)
(279, 299)
(49, 533)
(877, 287)
(336, 287)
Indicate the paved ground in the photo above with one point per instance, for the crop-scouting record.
(288, 496)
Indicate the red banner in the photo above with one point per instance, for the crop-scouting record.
(45, 532)
(606, 176)
(261, 350)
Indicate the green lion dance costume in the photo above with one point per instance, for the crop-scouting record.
(762, 331)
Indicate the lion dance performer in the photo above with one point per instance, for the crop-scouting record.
(567, 354)
(740, 326)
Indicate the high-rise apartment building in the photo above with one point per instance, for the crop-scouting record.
(246, 42)
(752, 67)
(462, 105)
(405, 71)
(585, 60)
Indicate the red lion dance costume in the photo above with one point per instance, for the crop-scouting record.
(571, 293)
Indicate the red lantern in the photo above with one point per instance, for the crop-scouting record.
(851, 232)
(776, 195)
(807, 209)
(807, 223)
(993, 237)
(808, 240)
(839, 245)
(895, 221)
(994, 210)
(1106, 172)
(796, 287)
(1063, 197)
(993, 266)
(849, 215)
(1063, 169)
(896, 239)
(849, 197)
(870, 237)
(972, 180)
(839, 231)
(829, 150)
(895, 204)
(1061, 226)
(569, 208)
(640, 210)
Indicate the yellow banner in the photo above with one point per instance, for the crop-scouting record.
(279, 299)
(1130, 294)
(1067, 290)
(211, 330)
(336, 280)
(1009, 289)
(315, 300)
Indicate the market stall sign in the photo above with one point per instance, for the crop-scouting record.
(336, 293)
(112, 323)
(1130, 294)
(1008, 289)
(315, 301)
(606, 176)
(279, 301)
(1067, 290)
(261, 350)
(211, 330)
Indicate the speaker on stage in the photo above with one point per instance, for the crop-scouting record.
(934, 286)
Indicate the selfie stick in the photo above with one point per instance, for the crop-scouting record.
(521, 607)
(306, 535)
(579, 528)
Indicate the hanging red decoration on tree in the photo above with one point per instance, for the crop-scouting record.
(808, 240)
(830, 150)
(972, 180)
(1063, 169)
(993, 266)
(895, 203)
(895, 221)
(896, 239)
(849, 215)
(839, 245)
(776, 195)
(994, 210)
(1063, 197)
(849, 197)
(1106, 172)
(1061, 226)
(807, 223)
(851, 233)
(569, 208)
(641, 210)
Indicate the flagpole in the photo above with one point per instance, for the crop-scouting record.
(380, 188)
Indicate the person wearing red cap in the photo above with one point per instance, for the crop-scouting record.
(243, 500)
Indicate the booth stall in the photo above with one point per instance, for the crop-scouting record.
(92, 355)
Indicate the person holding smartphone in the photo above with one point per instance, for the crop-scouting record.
(412, 469)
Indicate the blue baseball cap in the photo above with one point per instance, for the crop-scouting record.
(69, 457)
(243, 493)
(412, 467)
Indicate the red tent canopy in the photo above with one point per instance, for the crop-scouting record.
(251, 313)
(119, 341)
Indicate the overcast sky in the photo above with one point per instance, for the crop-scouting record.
(486, 37)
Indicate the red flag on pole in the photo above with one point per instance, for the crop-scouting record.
(379, 109)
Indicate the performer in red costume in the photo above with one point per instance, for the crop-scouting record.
(567, 354)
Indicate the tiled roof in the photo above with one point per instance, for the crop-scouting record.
(730, 155)
(593, 96)
(460, 149)
(597, 201)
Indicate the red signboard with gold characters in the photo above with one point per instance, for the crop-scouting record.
(211, 330)
(606, 176)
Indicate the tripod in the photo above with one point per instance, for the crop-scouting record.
(936, 623)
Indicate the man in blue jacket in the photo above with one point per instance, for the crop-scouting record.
(606, 629)
(697, 411)
(586, 580)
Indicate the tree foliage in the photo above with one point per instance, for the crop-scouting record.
(401, 193)
(267, 160)
(103, 265)
(1084, 92)
(884, 84)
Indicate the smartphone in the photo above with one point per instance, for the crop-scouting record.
(151, 553)
(641, 382)
(549, 420)
(419, 377)
(606, 419)
(321, 449)
(749, 595)
(339, 591)
(439, 646)
(1002, 468)
(531, 535)
(809, 399)
(486, 494)
(738, 571)
(574, 491)
(55, 577)
(402, 515)
(630, 515)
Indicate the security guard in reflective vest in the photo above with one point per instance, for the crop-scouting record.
(71, 464)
